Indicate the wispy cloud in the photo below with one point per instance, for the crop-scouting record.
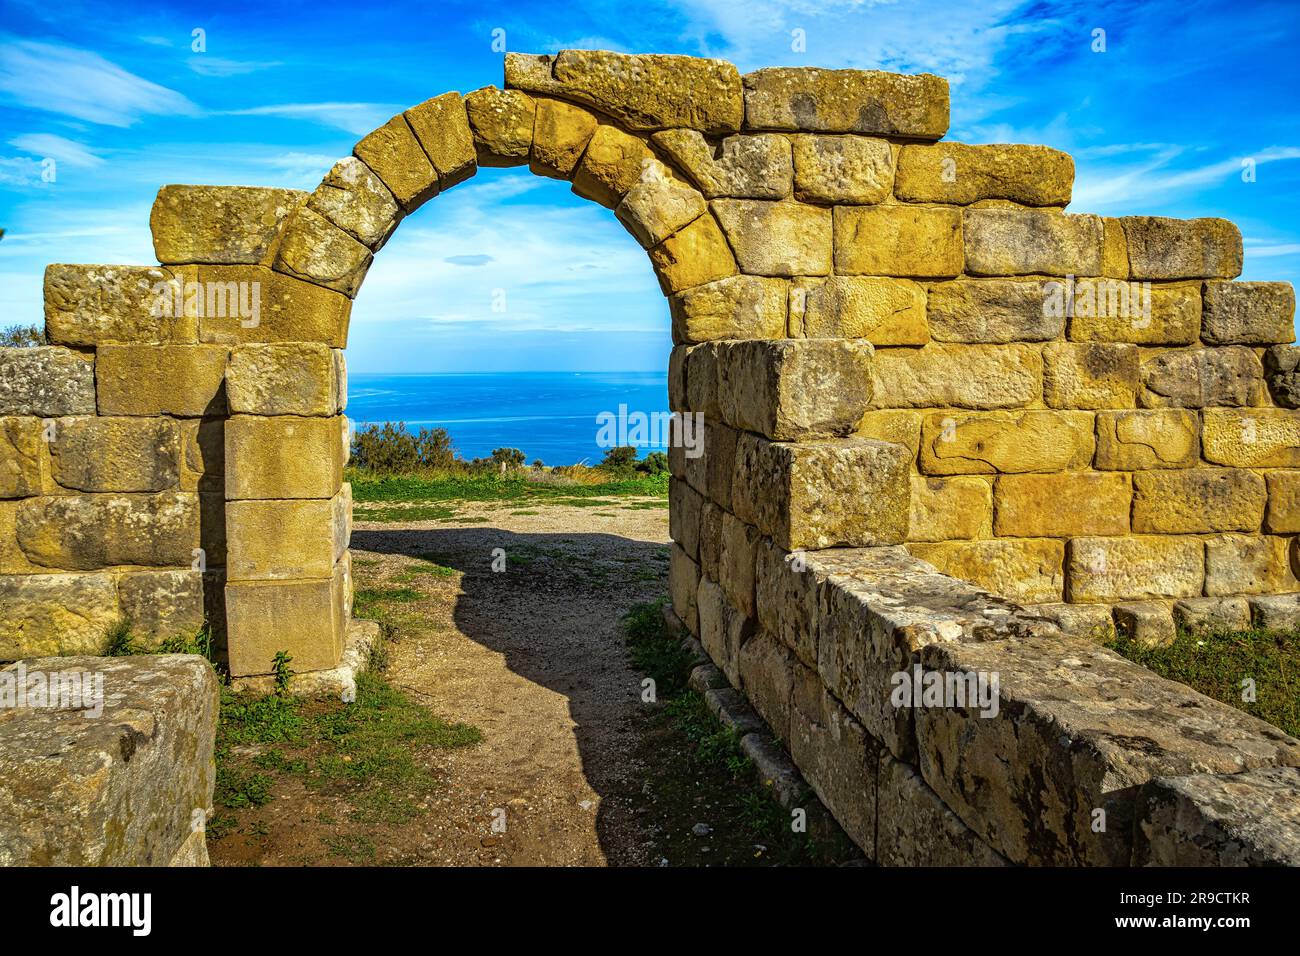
(63, 150)
(355, 118)
(206, 65)
(1101, 187)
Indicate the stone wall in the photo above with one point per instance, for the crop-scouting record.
(884, 340)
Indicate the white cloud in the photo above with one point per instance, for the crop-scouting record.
(64, 150)
(355, 118)
(1099, 187)
(1256, 250)
(83, 85)
(205, 65)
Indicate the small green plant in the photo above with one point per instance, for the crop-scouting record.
(119, 640)
(281, 672)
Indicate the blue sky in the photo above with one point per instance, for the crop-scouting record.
(1159, 123)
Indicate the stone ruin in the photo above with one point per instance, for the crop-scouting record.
(947, 425)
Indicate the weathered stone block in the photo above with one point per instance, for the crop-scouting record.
(1283, 515)
(1142, 440)
(723, 630)
(1197, 500)
(1010, 242)
(86, 532)
(1133, 569)
(737, 560)
(1162, 248)
(915, 241)
(786, 599)
(745, 167)
(502, 123)
(305, 619)
(124, 789)
(658, 205)
(711, 540)
(561, 132)
(684, 516)
(46, 381)
(993, 311)
(294, 539)
(1282, 365)
(817, 494)
(226, 225)
(442, 127)
(1114, 253)
(956, 443)
(355, 200)
(1024, 570)
(115, 454)
(694, 255)
(720, 461)
(846, 101)
(1199, 378)
(255, 304)
(1089, 375)
(55, 614)
(702, 381)
(1062, 505)
(842, 169)
(315, 250)
(766, 670)
(162, 604)
(881, 310)
(1240, 819)
(902, 426)
(1109, 310)
(91, 305)
(1006, 376)
(1149, 623)
(777, 238)
(1091, 622)
(683, 582)
(737, 307)
(285, 379)
(1275, 612)
(962, 174)
(1249, 313)
(161, 379)
(203, 454)
(20, 457)
(916, 829)
(1254, 438)
(612, 165)
(1248, 564)
(641, 91)
(394, 154)
(285, 456)
(791, 389)
(945, 509)
(1212, 614)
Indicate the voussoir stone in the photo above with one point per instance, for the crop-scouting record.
(561, 132)
(695, 254)
(744, 167)
(502, 121)
(315, 250)
(641, 91)
(808, 99)
(658, 205)
(442, 128)
(612, 164)
(963, 174)
(394, 155)
(353, 198)
(46, 381)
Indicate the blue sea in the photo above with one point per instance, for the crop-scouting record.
(549, 415)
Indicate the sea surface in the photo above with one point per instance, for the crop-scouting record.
(549, 415)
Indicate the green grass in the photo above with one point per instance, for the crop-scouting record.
(406, 513)
(1216, 664)
(654, 652)
(492, 486)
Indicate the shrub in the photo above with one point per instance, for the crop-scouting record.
(21, 336)
(390, 447)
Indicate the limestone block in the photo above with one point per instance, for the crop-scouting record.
(1086, 375)
(1149, 623)
(1197, 500)
(1162, 248)
(12, 558)
(1025, 570)
(1134, 569)
(693, 256)
(316, 250)
(685, 506)
(285, 456)
(1141, 440)
(766, 670)
(992, 376)
(162, 605)
(502, 123)
(161, 379)
(982, 443)
(442, 127)
(1248, 564)
(723, 629)
(1254, 438)
(658, 205)
(20, 456)
(737, 307)
(776, 238)
(711, 540)
(203, 452)
(813, 100)
(945, 509)
(289, 540)
(1249, 313)
(786, 599)
(818, 494)
(123, 789)
(225, 225)
(1282, 365)
(1010, 242)
(1283, 515)
(1212, 614)
(91, 305)
(612, 164)
(1240, 819)
(297, 378)
(745, 167)
(1063, 505)
(394, 155)
(561, 132)
(720, 461)
(962, 174)
(915, 241)
(842, 169)
(305, 619)
(87, 532)
(993, 311)
(736, 561)
(1108, 310)
(683, 582)
(1114, 254)
(1275, 612)
(917, 829)
(792, 389)
(1092, 622)
(255, 304)
(55, 614)
(115, 454)
(881, 310)
(355, 200)
(641, 91)
(1079, 728)
(902, 426)
(702, 381)
(1199, 378)
(46, 381)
